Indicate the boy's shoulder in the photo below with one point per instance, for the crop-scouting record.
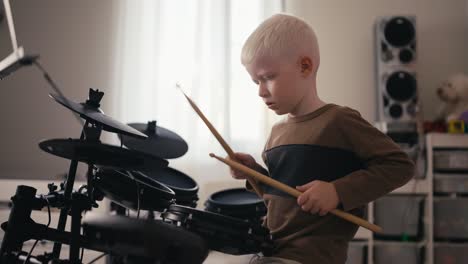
(346, 112)
(332, 113)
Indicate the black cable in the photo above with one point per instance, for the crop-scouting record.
(37, 240)
(48, 210)
(138, 199)
(138, 193)
(254, 258)
(80, 190)
(82, 255)
(30, 252)
(97, 258)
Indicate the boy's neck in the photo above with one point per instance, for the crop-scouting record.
(309, 104)
(313, 106)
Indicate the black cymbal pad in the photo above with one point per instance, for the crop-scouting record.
(101, 154)
(161, 142)
(96, 115)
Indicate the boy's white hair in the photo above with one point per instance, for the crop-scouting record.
(282, 35)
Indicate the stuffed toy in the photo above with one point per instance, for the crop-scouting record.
(454, 94)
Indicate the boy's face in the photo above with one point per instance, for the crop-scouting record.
(281, 85)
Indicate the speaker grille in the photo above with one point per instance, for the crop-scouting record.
(401, 86)
(395, 47)
(399, 31)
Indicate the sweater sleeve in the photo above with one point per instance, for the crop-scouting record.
(248, 186)
(386, 166)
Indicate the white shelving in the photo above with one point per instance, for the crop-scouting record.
(422, 187)
(363, 233)
(447, 140)
(437, 140)
(415, 186)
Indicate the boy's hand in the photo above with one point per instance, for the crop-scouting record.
(246, 160)
(318, 197)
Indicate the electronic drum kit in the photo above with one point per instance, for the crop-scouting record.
(134, 176)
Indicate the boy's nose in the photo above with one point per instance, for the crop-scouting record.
(262, 90)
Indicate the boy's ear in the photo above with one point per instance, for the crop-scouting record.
(306, 65)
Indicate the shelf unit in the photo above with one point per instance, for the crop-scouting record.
(422, 187)
(437, 140)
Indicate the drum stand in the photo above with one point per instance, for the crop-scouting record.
(76, 204)
(20, 227)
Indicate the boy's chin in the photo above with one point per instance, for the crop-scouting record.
(279, 111)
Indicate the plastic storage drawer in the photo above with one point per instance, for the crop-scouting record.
(446, 183)
(398, 252)
(451, 160)
(399, 216)
(450, 218)
(450, 253)
(356, 252)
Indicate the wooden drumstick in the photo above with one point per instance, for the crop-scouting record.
(296, 193)
(220, 139)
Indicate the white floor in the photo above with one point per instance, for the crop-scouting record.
(216, 257)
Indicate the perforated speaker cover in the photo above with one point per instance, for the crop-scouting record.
(401, 86)
(399, 31)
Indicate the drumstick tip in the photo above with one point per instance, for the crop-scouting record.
(179, 87)
(378, 230)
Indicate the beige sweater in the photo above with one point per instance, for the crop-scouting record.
(333, 144)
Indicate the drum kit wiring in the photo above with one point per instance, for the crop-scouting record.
(136, 176)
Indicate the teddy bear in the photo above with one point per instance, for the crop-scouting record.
(454, 94)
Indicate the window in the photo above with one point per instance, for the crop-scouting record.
(196, 44)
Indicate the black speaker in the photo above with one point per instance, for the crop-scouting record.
(397, 94)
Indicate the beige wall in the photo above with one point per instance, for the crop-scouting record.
(345, 32)
(75, 40)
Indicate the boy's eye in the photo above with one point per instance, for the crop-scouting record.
(256, 82)
(269, 77)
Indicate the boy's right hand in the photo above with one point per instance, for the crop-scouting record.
(246, 160)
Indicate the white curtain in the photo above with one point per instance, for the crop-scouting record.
(196, 44)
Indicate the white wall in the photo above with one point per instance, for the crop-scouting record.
(345, 33)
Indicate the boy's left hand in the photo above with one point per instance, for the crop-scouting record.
(318, 197)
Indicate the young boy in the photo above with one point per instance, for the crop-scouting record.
(328, 152)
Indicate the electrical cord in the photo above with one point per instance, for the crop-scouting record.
(138, 192)
(37, 240)
(97, 258)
